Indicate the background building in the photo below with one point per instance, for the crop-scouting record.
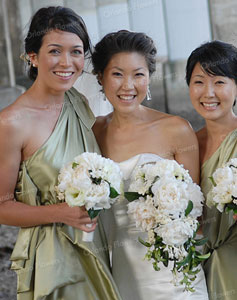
(177, 27)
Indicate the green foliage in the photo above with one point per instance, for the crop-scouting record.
(131, 196)
(188, 266)
(93, 213)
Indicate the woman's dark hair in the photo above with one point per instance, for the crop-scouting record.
(216, 58)
(54, 18)
(123, 41)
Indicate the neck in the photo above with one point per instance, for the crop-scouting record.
(44, 96)
(124, 120)
(221, 127)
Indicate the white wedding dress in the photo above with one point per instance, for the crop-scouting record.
(135, 277)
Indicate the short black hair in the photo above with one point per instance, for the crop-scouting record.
(123, 41)
(54, 18)
(216, 58)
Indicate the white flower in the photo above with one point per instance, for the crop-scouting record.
(177, 231)
(143, 212)
(223, 176)
(74, 197)
(88, 181)
(151, 237)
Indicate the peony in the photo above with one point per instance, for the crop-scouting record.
(177, 231)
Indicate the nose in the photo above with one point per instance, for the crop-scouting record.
(128, 83)
(209, 91)
(65, 60)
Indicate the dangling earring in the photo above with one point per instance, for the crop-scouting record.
(148, 94)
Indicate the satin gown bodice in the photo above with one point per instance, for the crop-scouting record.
(134, 276)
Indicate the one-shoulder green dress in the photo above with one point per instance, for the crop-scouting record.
(51, 261)
(221, 229)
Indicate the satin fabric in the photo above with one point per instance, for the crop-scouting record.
(51, 261)
(135, 276)
(221, 230)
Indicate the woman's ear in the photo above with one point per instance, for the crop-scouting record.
(33, 59)
(100, 78)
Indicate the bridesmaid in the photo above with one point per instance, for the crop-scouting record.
(211, 75)
(42, 130)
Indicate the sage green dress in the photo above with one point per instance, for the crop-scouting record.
(51, 261)
(221, 230)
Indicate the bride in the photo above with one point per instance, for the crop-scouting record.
(133, 135)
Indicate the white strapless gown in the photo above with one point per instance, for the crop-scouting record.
(135, 277)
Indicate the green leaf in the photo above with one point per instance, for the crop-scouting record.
(190, 272)
(144, 243)
(131, 196)
(155, 266)
(200, 242)
(113, 193)
(231, 206)
(204, 256)
(93, 212)
(185, 261)
(189, 208)
(74, 165)
(212, 180)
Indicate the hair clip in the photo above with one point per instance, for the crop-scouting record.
(25, 57)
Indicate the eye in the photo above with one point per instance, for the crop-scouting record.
(219, 82)
(77, 52)
(117, 74)
(198, 82)
(139, 74)
(54, 51)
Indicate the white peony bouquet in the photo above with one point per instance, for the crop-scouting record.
(92, 181)
(224, 191)
(165, 203)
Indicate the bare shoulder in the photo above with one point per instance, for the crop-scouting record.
(173, 123)
(101, 124)
(12, 121)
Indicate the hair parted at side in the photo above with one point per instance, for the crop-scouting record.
(123, 41)
(216, 58)
(54, 18)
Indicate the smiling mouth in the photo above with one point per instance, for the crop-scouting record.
(210, 105)
(127, 98)
(64, 74)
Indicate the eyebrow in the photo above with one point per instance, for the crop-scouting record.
(198, 76)
(122, 69)
(57, 45)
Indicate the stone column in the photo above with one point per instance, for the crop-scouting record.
(224, 20)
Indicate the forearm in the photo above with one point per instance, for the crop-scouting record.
(19, 214)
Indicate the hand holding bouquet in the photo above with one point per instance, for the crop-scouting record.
(224, 192)
(92, 181)
(166, 204)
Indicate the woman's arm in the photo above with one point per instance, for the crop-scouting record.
(19, 214)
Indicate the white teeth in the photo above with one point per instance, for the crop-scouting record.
(63, 74)
(210, 104)
(126, 97)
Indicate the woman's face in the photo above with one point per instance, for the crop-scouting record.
(125, 81)
(212, 96)
(60, 60)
